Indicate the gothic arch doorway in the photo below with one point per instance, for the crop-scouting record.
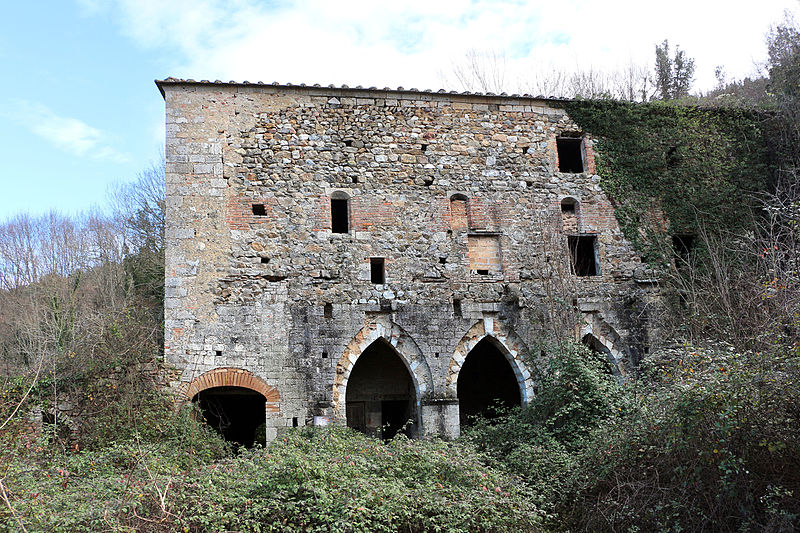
(380, 397)
(486, 382)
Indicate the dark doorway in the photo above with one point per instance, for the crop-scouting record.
(238, 414)
(486, 381)
(602, 353)
(380, 395)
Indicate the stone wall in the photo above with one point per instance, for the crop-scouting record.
(461, 197)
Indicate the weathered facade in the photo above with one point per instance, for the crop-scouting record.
(375, 256)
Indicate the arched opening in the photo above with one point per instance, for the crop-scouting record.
(486, 381)
(237, 413)
(602, 353)
(459, 212)
(380, 398)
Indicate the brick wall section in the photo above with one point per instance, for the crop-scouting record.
(484, 253)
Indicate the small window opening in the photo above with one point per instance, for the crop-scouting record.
(482, 272)
(218, 352)
(354, 179)
(457, 308)
(682, 244)
(327, 311)
(259, 210)
(525, 149)
(583, 252)
(294, 422)
(568, 206)
(436, 354)
(264, 260)
(348, 142)
(570, 157)
(442, 260)
(324, 354)
(376, 269)
(424, 147)
(340, 222)
(428, 182)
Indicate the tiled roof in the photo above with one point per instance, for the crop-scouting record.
(177, 81)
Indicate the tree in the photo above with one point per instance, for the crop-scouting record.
(673, 76)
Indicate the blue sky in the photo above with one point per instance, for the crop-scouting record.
(79, 110)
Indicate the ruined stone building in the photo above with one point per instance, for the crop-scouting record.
(374, 257)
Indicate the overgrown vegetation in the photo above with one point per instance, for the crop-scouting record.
(705, 438)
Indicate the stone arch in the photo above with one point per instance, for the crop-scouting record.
(232, 377)
(602, 334)
(406, 349)
(511, 346)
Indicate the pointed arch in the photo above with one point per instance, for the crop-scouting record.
(604, 338)
(509, 344)
(403, 345)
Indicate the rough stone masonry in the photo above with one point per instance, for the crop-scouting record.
(374, 256)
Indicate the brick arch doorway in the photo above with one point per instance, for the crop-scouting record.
(380, 398)
(234, 402)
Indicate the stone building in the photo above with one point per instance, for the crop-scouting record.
(386, 258)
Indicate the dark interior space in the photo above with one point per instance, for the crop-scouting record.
(376, 270)
(486, 381)
(235, 412)
(380, 393)
(682, 244)
(340, 220)
(259, 210)
(568, 206)
(582, 251)
(570, 156)
(602, 353)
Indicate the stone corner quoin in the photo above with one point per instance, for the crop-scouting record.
(342, 251)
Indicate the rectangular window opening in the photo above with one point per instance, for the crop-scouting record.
(377, 271)
(583, 253)
(259, 210)
(324, 354)
(294, 422)
(264, 260)
(457, 308)
(340, 222)
(482, 272)
(217, 352)
(327, 311)
(570, 154)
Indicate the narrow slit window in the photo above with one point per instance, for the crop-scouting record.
(570, 154)
(456, 308)
(377, 271)
(259, 210)
(583, 253)
(340, 219)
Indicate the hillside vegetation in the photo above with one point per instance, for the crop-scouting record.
(705, 437)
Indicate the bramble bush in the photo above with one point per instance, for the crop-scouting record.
(315, 479)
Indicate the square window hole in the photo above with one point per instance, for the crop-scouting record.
(259, 210)
(217, 352)
(264, 260)
(570, 154)
(583, 254)
(376, 270)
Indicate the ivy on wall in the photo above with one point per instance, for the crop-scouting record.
(694, 165)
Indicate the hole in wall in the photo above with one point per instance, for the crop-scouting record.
(340, 222)
(264, 260)
(259, 210)
(218, 352)
(324, 354)
(354, 179)
(457, 308)
(428, 182)
(294, 422)
(348, 142)
(327, 310)
(376, 270)
(583, 254)
(237, 413)
(482, 272)
(570, 154)
(486, 383)
(442, 260)
(525, 149)
(424, 147)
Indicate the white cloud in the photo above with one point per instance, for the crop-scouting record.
(407, 43)
(66, 133)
